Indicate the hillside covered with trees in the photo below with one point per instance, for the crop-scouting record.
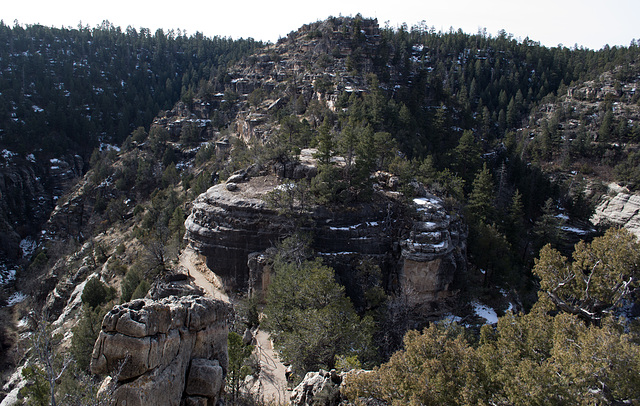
(517, 139)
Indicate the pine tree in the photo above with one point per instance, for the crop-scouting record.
(480, 206)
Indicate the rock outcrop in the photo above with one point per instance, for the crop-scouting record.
(319, 389)
(623, 210)
(432, 253)
(164, 352)
(420, 248)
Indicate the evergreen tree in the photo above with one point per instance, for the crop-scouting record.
(480, 205)
(310, 319)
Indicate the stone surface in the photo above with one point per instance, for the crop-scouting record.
(205, 378)
(318, 389)
(420, 247)
(432, 252)
(153, 344)
(623, 209)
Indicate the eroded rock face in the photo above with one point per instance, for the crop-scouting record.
(159, 348)
(622, 210)
(419, 247)
(318, 388)
(432, 252)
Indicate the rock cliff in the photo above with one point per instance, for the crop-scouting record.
(29, 190)
(164, 352)
(623, 209)
(419, 247)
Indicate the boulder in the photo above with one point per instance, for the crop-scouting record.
(205, 378)
(318, 389)
(623, 210)
(419, 249)
(157, 349)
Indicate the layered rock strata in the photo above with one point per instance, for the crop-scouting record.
(418, 247)
(623, 210)
(164, 352)
(432, 252)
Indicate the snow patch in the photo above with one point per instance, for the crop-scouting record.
(16, 298)
(6, 154)
(6, 275)
(28, 245)
(575, 230)
(485, 312)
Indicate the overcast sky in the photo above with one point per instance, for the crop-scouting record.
(587, 23)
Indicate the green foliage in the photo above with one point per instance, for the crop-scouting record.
(37, 388)
(239, 352)
(289, 198)
(490, 251)
(96, 293)
(548, 227)
(39, 261)
(602, 275)
(311, 320)
(480, 206)
(85, 334)
(467, 156)
(133, 285)
(141, 290)
(628, 171)
(530, 359)
(99, 84)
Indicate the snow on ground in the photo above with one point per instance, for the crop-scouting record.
(28, 245)
(6, 154)
(485, 312)
(575, 230)
(423, 201)
(6, 275)
(16, 298)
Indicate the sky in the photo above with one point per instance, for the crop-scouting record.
(586, 23)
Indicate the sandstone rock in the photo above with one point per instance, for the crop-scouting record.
(232, 186)
(162, 289)
(433, 252)
(195, 401)
(205, 378)
(238, 178)
(152, 343)
(419, 251)
(622, 210)
(318, 389)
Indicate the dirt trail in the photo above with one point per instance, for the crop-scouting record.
(201, 274)
(271, 385)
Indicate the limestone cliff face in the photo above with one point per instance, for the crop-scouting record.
(419, 247)
(623, 209)
(168, 351)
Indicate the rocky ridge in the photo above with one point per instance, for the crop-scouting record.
(420, 248)
(167, 352)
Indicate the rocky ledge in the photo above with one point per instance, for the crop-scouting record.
(164, 352)
(419, 247)
(621, 210)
